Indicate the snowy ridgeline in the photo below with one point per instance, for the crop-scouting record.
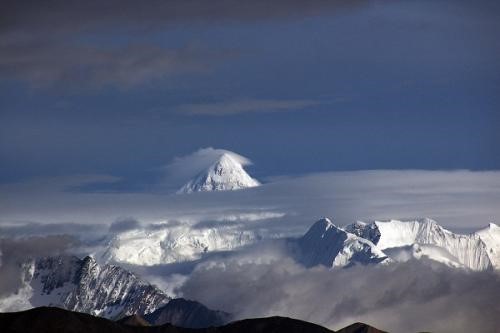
(107, 291)
(395, 241)
(110, 291)
(324, 244)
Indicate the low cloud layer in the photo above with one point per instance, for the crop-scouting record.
(16, 252)
(408, 297)
(456, 199)
(124, 224)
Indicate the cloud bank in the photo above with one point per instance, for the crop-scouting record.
(460, 199)
(408, 297)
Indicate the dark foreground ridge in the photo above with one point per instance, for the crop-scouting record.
(49, 320)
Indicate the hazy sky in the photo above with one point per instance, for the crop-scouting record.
(121, 89)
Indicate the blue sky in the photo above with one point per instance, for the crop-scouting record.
(375, 85)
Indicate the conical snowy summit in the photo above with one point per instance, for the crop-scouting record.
(225, 174)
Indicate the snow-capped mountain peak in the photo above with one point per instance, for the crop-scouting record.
(328, 245)
(85, 286)
(321, 227)
(493, 226)
(491, 238)
(469, 250)
(225, 174)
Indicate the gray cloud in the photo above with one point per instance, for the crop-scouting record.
(408, 297)
(123, 224)
(29, 229)
(76, 15)
(44, 44)
(245, 106)
(15, 252)
(96, 66)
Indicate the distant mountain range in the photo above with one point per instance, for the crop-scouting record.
(424, 238)
(49, 320)
(378, 242)
(110, 291)
(107, 291)
(175, 243)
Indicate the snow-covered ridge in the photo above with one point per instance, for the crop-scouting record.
(85, 286)
(328, 245)
(324, 244)
(225, 174)
(491, 238)
(174, 244)
(469, 250)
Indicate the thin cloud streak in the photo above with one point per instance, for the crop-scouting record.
(46, 64)
(245, 106)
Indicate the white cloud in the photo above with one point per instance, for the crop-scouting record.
(459, 199)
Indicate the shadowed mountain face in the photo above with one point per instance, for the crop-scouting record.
(360, 328)
(185, 313)
(49, 320)
(134, 320)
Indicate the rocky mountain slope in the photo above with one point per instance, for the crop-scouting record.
(85, 286)
(186, 313)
